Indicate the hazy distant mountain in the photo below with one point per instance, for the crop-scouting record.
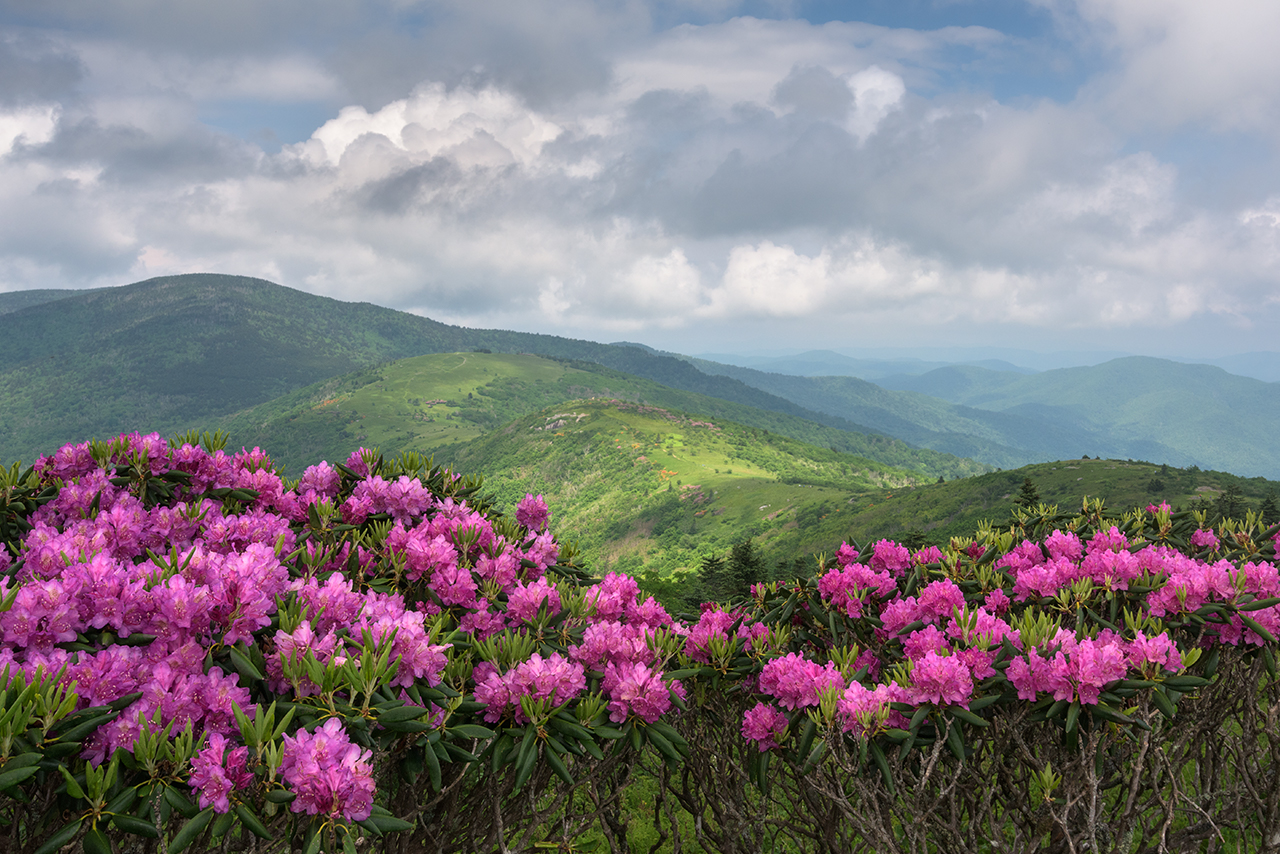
(1136, 407)
(828, 363)
(1259, 366)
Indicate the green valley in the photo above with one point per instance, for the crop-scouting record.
(428, 402)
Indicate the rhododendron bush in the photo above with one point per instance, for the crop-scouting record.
(199, 654)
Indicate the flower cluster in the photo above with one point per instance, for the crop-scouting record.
(330, 775)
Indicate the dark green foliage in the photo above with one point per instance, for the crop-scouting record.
(914, 539)
(746, 567)
(1230, 504)
(1269, 511)
(1155, 486)
(1029, 496)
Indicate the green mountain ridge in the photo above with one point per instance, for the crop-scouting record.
(180, 352)
(437, 400)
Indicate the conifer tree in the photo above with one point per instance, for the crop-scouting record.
(746, 567)
(1269, 510)
(1029, 496)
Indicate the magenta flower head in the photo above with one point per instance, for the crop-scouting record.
(764, 724)
(635, 689)
(795, 682)
(1202, 539)
(941, 680)
(888, 555)
(532, 512)
(215, 772)
(331, 776)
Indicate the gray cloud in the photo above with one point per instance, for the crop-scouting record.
(34, 69)
(574, 167)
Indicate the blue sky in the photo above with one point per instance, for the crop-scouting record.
(694, 174)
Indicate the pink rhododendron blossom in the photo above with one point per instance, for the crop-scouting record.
(635, 689)
(525, 599)
(715, 623)
(795, 682)
(1203, 539)
(887, 555)
(765, 725)
(216, 772)
(1160, 651)
(928, 554)
(532, 513)
(612, 596)
(939, 600)
(1110, 540)
(997, 601)
(848, 588)
(331, 776)
(941, 680)
(1064, 544)
(861, 708)
(846, 555)
(921, 641)
(611, 643)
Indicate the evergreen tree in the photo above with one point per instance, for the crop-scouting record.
(1029, 496)
(1230, 504)
(713, 580)
(1269, 510)
(746, 567)
(914, 539)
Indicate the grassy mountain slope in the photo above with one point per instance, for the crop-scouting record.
(645, 487)
(427, 402)
(955, 508)
(180, 351)
(1149, 408)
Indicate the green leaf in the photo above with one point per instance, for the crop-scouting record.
(180, 802)
(807, 736)
(665, 747)
(250, 820)
(473, 731)
(96, 842)
(400, 714)
(432, 763)
(280, 796)
(14, 776)
(59, 839)
(388, 823)
(528, 758)
(968, 717)
(883, 764)
(190, 830)
(222, 825)
(73, 787)
(135, 825)
(78, 732)
(1185, 683)
(1257, 627)
(558, 766)
(955, 740)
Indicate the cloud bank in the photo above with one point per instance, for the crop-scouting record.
(680, 173)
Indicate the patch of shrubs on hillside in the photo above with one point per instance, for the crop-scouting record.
(198, 654)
